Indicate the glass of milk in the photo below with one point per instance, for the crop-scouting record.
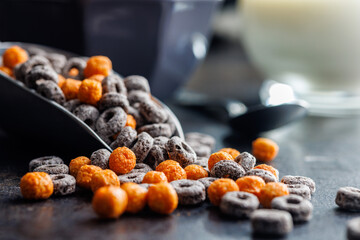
(312, 46)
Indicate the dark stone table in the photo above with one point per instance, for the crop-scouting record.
(326, 150)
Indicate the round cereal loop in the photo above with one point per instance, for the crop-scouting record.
(207, 182)
(271, 222)
(87, 113)
(141, 167)
(35, 51)
(77, 63)
(136, 82)
(137, 197)
(219, 188)
(174, 172)
(190, 192)
(126, 138)
(40, 72)
(239, 204)
(300, 190)
(50, 90)
(153, 112)
(47, 160)
(162, 166)
(269, 168)
(57, 61)
(72, 104)
(135, 177)
(172, 124)
(200, 150)
(246, 160)
(145, 185)
(53, 169)
(180, 151)
(113, 84)
(90, 91)
(158, 153)
(352, 229)
(111, 121)
(348, 198)
(162, 198)
(130, 121)
(122, 160)
(64, 184)
(113, 99)
(13, 56)
(36, 185)
(201, 138)
(299, 208)
(266, 175)
(264, 149)
(98, 65)
(142, 146)
(110, 202)
(202, 161)
(233, 152)
(270, 191)
(100, 158)
(217, 157)
(154, 177)
(195, 172)
(140, 120)
(251, 184)
(77, 163)
(228, 169)
(34, 61)
(156, 130)
(71, 88)
(84, 175)
(104, 178)
(288, 179)
(138, 96)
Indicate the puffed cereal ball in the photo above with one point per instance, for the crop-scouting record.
(90, 91)
(104, 178)
(270, 191)
(218, 188)
(14, 56)
(162, 198)
(77, 163)
(85, 173)
(98, 65)
(36, 185)
(217, 157)
(109, 202)
(195, 172)
(137, 197)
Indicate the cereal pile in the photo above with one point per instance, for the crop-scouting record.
(149, 166)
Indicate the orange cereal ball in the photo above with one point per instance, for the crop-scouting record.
(36, 185)
(85, 173)
(233, 152)
(77, 163)
(13, 56)
(97, 77)
(195, 172)
(122, 160)
(61, 80)
(130, 121)
(269, 169)
(165, 164)
(217, 157)
(6, 70)
(218, 188)
(154, 177)
(90, 91)
(98, 65)
(270, 191)
(104, 178)
(251, 184)
(71, 88)
(109, 202)
(264, 149)
(162, 198)
(137, 197)
(73, 72)
(174, 172)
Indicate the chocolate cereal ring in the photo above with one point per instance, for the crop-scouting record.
(32, 51)
(112, 99)
(138, 97)
(180, 151)
(87, 113)
(239, 204)
(126, 138)
(288, 179)
(40, 72)
(200, 138)
(190, 192)
(299, 208)
(200, 149)
(140, 120)
(135, 177)
(246, 160)
(271, 222)
(158, 153)
(113, 84)
(142, 146)
(50, 90)
(136, 82)
(156, 130)
(75, 62)
(100, 158)
(64, 184)
(348, 198)
(227, 169)
(300, 190)
(72, 104)
(353, 229)
(44, 161)
(53, 169)
(202, 161)
(57, 61)
(111, 121)
(266, 175)
(206, 182)
(152, 112)
(37, 60)
(141, 168)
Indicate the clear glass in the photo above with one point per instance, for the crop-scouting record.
(311, 45)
